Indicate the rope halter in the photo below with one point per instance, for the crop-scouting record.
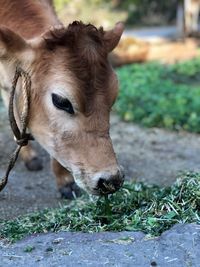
(21, 137)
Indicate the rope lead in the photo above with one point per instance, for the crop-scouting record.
(21, 137)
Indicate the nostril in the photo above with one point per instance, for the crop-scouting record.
(109, 186)
(117, 183)
(105, 186)
(101, 183)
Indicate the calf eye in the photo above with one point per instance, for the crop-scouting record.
(62, 103)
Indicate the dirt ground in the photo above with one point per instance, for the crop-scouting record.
(151, 155)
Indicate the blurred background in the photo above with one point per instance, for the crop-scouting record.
(106, 12)
(147, 22)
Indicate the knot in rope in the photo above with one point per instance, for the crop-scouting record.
(23, 141)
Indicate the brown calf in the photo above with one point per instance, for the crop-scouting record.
(73, 90)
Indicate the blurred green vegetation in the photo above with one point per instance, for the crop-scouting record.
(157, 95)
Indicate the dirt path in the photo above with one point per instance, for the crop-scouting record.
(152, 155)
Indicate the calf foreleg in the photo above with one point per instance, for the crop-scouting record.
(65, 181)
(30, 158)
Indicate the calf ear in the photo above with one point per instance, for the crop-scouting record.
(12, 45)
(113, 36)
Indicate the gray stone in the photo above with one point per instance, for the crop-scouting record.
(178, 247)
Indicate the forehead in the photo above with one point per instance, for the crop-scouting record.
(84, 82)
(80, 59)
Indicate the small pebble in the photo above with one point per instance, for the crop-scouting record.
(49, 249)
(58, 240)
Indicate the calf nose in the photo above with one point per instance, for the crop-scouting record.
(110, 185)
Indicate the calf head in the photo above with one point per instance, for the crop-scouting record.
(73, 90)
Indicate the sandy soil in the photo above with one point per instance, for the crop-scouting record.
(151, 155)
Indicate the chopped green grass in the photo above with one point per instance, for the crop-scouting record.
(136, 207)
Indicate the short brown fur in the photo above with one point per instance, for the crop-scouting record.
(85, 42)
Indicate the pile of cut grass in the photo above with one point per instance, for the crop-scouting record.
(136, 207)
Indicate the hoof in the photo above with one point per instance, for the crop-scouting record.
(70, 191)
(34, 164)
